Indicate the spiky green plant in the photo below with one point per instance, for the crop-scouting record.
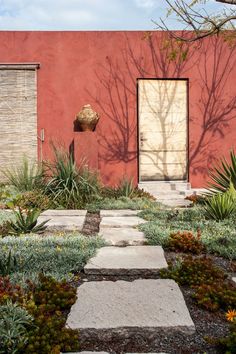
(68, 185)
(26, 222)
(126, 188)
(223, 174)
(27, 176)
(13, 327)
(11, 263)
(220, 206)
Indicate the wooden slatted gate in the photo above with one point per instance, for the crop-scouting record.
(162, 114)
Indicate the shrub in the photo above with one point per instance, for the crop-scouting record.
(9, 291)
(48, 333)
(4, 229)
(193, 271)
(185, 242)
(228, 344)
(26, 222)
(126, 188)
(223, 174)
(220, 206)
(14, 321)
(25, 177)
(216, 295)
(35, 199)
(70, 186)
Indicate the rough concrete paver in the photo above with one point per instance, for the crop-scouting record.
(122, 236)
(144, 305)
(127, 260)
(121, 221)
(63, 222)
(64, 212)
(119, 212)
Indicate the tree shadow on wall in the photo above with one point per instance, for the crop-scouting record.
(216, 107)
(156, 57)
(159, 56)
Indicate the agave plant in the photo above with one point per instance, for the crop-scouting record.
(220, 206)
(12, 263)
(26, 222)
(126, 188)
(223, 174)
(26, 176)
(70, 186)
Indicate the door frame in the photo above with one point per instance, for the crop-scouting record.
(138, 123)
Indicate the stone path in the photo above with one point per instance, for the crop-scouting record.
(131, 260)
(118, 227)
(146, 307)
(69, 220)
(171, 194)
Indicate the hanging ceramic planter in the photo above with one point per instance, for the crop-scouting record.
(87, 118)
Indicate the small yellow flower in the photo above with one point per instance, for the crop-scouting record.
(231, 315)
(58, 249)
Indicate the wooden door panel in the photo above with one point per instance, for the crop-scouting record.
(163, 129)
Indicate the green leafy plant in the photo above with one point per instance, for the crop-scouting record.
(25, 177)
(33, 199)
(9, 291)
(58, 256)
(193, 271)
(70, 186)
(4, 229)
(223, 174)
(216, 295)
(220, 206)
(126, 188)
(47, 302)
(228, 344)
(11, 263)
(14, 321)
(26, 222)
(185, 242)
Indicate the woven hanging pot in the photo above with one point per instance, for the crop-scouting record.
(87, 118)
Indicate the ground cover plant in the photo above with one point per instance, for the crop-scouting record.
(216, 237)
(37, 289)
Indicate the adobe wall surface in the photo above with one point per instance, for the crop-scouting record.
(101, 68)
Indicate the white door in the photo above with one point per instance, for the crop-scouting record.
(162, 111)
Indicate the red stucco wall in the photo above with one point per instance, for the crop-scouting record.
(101, 68)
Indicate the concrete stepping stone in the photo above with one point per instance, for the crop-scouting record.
(61, 222)
(64, 212)
(121, 221)
(131, 260)
(146, 306)
(120, 212)
(122, 236)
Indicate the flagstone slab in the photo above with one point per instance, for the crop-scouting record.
(121, 221)
(127, 260)
(144, 305)
(120, 212)
(122, 236)
(69, 223)
(64, 212)
(234, 279)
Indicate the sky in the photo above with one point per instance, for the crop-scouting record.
(83, 14)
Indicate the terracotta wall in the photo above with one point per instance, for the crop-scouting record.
(101, 68)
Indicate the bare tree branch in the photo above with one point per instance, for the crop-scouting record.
(198, 20)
